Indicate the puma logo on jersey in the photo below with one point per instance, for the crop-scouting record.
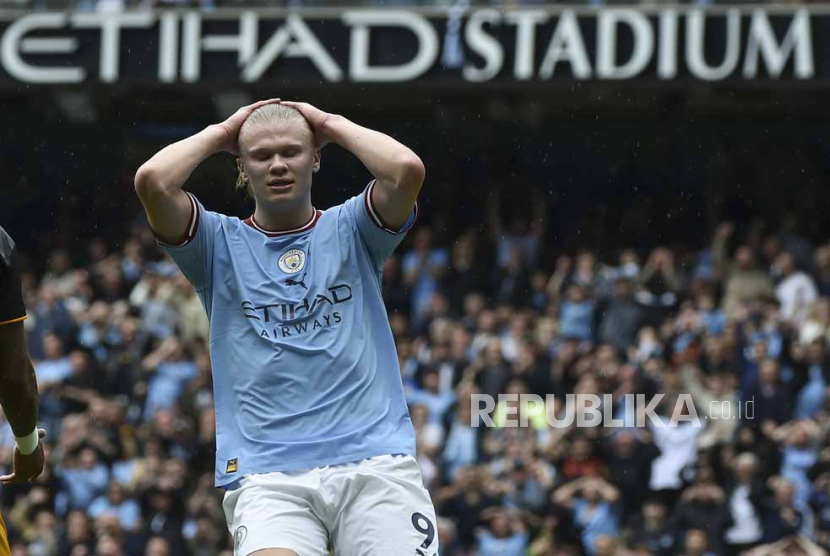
(300, 282)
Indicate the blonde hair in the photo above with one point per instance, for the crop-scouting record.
(262, 116)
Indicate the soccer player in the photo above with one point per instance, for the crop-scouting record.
(315, 446)
(18, 387)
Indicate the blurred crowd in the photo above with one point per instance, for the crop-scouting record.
(119, 340)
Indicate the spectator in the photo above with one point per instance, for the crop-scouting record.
(79, 537)
(116, 503)
(820, 507)
(696, 544)
(428, 396)
(744, 281)
(746, 497)
(464, 275)
(813, 374)
(716, 396)
(593, 503)
(504, 535)
(702, 507)
(465, 501)
(652, 529)
(678, 449)
(170, 370)
(577, 315)
(395, 294)
(783, 518)
(629, 465)
(796, 291)
(423, 268)
(621, 316)
(55, 366)
(158, 546)
(158, 316)
(84, 477)
(522, 239)
(772, 401)
(462, 446)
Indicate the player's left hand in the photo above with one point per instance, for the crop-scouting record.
(315, 117)
(26, 468)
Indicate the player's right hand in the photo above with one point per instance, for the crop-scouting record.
(26, 468)
(233, 124)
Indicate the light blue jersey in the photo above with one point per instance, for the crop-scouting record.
(304, 364)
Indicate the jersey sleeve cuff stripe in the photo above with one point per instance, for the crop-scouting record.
(375, 217)
(192, 225)
(19, 319)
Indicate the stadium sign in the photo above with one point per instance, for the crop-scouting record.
(477, 46)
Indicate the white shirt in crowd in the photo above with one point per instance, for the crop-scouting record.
(679, 448)
(796, 293)
(747, 527)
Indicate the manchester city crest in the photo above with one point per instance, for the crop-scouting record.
(292, 262)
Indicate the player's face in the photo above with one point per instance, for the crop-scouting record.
(279, 159)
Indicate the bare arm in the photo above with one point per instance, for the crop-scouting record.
(18, 394)
(691, 379)
(158, 355)
(84, 395)
(159, 181)
(565, 493)
(559, 276)
(609, 492)
(782, 433)
(18, 384)
(399, 171)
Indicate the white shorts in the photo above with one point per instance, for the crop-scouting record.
(374, 507)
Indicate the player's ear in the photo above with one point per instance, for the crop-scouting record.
(316, 165)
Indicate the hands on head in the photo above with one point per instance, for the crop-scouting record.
(315, 117)
(232, 125)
